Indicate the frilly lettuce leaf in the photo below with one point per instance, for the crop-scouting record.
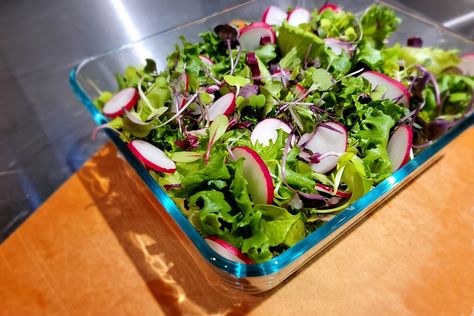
(433, 59)
(290, 37)
(378, 23)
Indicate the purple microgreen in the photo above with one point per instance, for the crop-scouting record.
(169, 187)
(212, 89)
(191, 99)
(312, 196)
(415, 42)
(226, 32)
(249, 90)
(190, 142)
(330, 128)
(252, 62)
(433, 81)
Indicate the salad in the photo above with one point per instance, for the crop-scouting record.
(262, 131)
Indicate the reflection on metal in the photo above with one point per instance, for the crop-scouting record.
(130, 28)
(463, 19)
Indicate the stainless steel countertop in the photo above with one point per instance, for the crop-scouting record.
(45, 135)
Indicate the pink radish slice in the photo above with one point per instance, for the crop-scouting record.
(399, 146)
(152, 156)
(337, 46)
(259, 180)
(330, 6)
(324, 188)
(299, 90)
(126, 98)
(206, 60)
(467, 64)
(274, 15)
(326, 140)
(226, 250)
(224, 105)
(183, 86)
(267, 130)
(396, 91)
(251, 35)
(298, 16)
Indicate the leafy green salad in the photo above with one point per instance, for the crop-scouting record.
(262, 131)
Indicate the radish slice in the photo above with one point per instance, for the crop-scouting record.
(152, 156)
(324, 188)
(251, 35)
(396, 91)
(126, 98)
(467, 64)
(299, 90)
(259, 180)
(337, 46)
(206, 60)
(326, 140)
(274, 15)
(224, 105)
(399, 146)
(226, 250)
(330, 6)
(267, 130)
(183, 85)
(298, 16)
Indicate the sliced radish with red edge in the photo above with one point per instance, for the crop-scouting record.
(251, 35)
(267, 130)
(326, 140)
(396, 90)
(324, 188)
(124, 99)
(224, 105)
(226, 250)
(259, 180)
(274, 15)
(152, 156)
(298, 16)
(467, 64)
(330, 6)
(399, 146)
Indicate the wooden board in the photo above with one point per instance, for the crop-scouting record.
(101, 245)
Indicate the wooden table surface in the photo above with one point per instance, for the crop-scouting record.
(101, 246)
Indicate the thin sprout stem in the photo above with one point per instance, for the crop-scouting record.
(229, 47)
(180, 111)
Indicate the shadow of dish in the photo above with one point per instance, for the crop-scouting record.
(178, 277)
(180, 280)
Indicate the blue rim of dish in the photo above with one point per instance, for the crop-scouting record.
(316, 238)
(292, 254)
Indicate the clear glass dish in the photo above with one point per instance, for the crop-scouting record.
(99, 71)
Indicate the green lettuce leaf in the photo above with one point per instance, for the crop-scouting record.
(433, 59)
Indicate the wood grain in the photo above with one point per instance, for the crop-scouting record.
(102, 245)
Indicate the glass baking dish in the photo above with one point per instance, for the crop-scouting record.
(99, 72)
